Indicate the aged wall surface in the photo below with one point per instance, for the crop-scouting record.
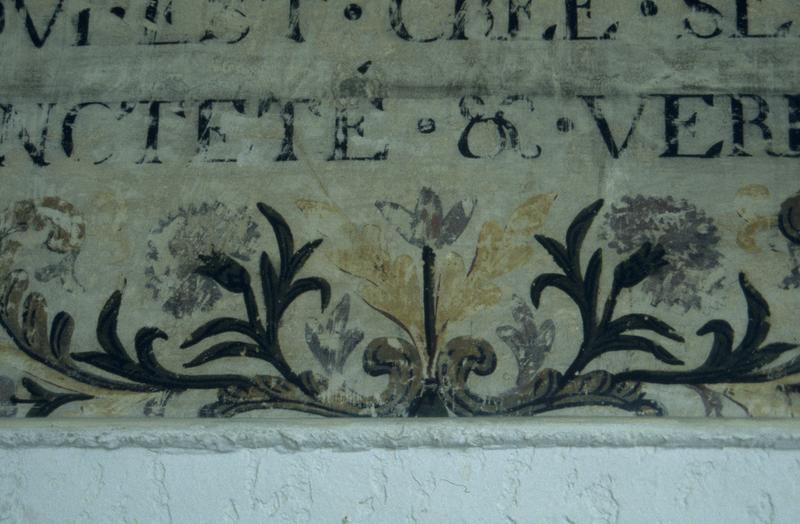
(399, 208)
(286, 209)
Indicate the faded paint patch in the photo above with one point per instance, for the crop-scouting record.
(746, 237)
(45, 235)
(753, 190)
(156, 407)
(688, 235)
(792, 280)
(7, 407)
(174, 248)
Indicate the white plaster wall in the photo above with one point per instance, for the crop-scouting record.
(551, 472)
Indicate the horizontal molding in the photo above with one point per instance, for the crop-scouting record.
(298, 435)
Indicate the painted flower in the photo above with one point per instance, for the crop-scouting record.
(427, 225)
(392, 285)
(792, 280)
(687, 237)
(46, 234)
(529, 343)
(175, 248)
(333, 342)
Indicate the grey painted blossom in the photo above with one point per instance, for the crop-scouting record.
(792, 280)
(689, 239)
(333, 342)
(427, 225)
(177, 243)
(529, 343)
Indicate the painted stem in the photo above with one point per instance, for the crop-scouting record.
(429, 303)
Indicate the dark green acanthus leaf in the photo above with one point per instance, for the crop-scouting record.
(556, 250)
(642, 263)
(61, 335)
(306, 285)
(301, 257)
(724, 363)
(555, 280)
(45, 401)
(219, 326)
(225, 271)
(636, 343)
(283, 236)
(107, 329)
(637, 321)
(224, 350)
(578, 229)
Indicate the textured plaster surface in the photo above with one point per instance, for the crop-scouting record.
(678, 471)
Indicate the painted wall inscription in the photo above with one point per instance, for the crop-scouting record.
(399, 208)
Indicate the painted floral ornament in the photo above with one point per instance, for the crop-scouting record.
(429, 363)
(789, 218)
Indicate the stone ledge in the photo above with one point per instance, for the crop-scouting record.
(292, 435)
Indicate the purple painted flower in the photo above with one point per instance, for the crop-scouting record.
(529, 343)
(332, 343)
(684, 235)
(427, 225)
(175, 247)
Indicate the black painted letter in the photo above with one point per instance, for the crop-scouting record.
(672, 127)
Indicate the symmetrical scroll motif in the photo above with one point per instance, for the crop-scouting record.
(425, 371)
